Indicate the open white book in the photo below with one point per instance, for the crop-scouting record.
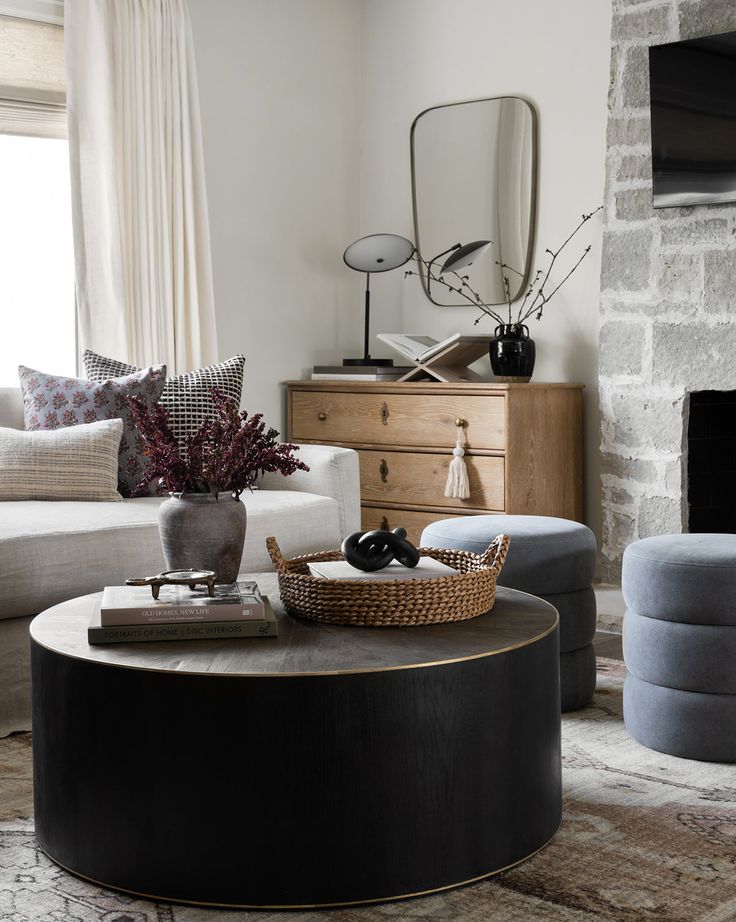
(421, 348)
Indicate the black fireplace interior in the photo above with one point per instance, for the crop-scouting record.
(711, 462)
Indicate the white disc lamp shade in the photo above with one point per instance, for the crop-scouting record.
(375, 253)
(465, 256)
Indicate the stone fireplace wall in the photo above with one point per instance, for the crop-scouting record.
(668, 302)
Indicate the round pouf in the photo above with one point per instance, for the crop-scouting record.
(550, 558)
(680, 645)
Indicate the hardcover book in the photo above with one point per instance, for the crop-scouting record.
(267, 626)
(128, 605)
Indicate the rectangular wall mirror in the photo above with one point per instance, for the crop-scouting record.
(473, 167)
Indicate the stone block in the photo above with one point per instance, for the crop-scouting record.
(706, 17)
(719, 281)
(633, 167)
(659, 515)
(647, 423)
(680, 276)
(712, 231)
(612, 77)
(621, 348)
(646, 25)
(634, 204)
(626, 467)
(662, 310)
(635, 77)
(694, 355)
(618, 531)
(629, 132)
(620, 497)
(626, 260)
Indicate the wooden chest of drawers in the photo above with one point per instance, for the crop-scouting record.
(523, 452)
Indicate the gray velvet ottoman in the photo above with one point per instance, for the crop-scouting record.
(550, 558)
(680, 645)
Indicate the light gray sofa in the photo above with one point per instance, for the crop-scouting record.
(53, 551)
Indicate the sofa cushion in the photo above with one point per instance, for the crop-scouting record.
(187, 396)
(57, 550)
(55, 402)
(78, 463)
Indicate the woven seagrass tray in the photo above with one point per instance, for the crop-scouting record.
(392, 602)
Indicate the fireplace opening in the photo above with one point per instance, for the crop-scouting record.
(711, 462)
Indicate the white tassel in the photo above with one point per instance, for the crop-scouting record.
(457, 486)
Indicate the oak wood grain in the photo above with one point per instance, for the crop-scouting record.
(419, 479)
(387, 517)
(544, 455)
(385, 418)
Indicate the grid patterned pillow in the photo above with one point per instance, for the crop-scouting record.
(56, 402)
(73, 463)
(185, 396)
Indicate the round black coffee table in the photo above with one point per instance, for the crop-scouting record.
(328, 766)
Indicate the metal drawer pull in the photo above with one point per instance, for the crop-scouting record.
(461, 422)
(322, 416)
(383, 470)
(384, 414)
(384, 524)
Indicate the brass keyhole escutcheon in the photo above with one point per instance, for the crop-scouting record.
(384, 524)
(384, 414)
(322, 416)
(383, 470)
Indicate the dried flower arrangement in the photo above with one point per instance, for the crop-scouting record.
(226, 454)
(535, 298)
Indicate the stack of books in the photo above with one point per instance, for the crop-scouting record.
(359, 372)
(129, 614)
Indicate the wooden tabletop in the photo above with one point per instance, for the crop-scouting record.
(303, 647)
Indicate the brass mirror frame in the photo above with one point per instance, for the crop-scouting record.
(533, 195)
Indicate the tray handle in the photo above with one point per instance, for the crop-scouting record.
(495, 554)
(277, 558)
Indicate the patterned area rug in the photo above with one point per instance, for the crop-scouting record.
(644, 837)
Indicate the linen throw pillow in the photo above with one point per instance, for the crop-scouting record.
(74, 463)
(54, 402)
(186, 396)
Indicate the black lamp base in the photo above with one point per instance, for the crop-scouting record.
(382, 363)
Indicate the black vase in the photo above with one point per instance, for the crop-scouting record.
(512, 353)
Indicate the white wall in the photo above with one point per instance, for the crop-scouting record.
(306, 108)
(279, 91)
(419, 53)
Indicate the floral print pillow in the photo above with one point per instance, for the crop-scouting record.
(53, 402)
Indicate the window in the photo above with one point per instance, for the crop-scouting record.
(37, 314)
(36, 258)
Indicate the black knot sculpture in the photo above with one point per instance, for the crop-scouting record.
(374, 550)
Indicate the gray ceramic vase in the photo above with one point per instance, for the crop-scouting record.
(199, 531)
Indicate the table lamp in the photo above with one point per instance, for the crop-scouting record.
(375, 253)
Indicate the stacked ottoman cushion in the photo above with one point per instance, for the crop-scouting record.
(550, 558)
(680, 645)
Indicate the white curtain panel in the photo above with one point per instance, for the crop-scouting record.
(141, 232)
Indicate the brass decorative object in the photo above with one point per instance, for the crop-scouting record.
(191, 578)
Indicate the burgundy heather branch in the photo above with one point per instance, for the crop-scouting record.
(226, 454)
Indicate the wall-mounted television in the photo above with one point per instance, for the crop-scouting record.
(693, 98)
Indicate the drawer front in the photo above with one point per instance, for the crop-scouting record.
(422, 420)
(413, 522)
(419, 479)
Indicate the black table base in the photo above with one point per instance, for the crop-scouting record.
(296, 791)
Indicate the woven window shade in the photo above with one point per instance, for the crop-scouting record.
(32, 80)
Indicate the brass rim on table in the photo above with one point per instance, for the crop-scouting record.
(392, 602)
